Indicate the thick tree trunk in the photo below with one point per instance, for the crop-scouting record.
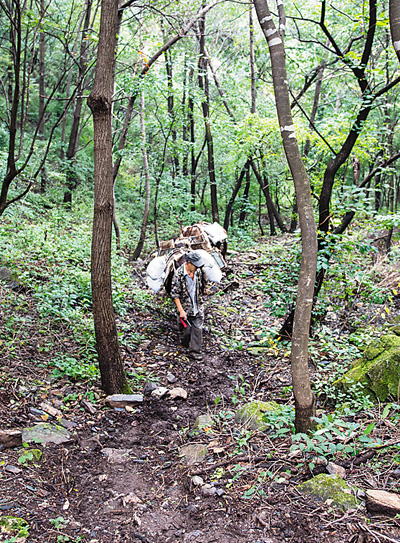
(142, 236)
(304, 398)
(100, 102)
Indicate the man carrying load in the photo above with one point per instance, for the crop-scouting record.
(187, 291)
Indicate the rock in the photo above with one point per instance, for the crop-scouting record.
(89, 407)
(334, 469)
(122, 400)
(378, 371)
(251, 414)
(325, 487)
(38, 413)
(197, 481)
(10, 439)
(171, 378)
(177, 393)
(208, 490)
(203, 421)
(46, 433)
(220, 491)
(396, 473)
(149, 387)
(194, 453)
(257, 350)
(382, 502)
(159, 392)
(5, 274)
(12, 469)
(51, 410)
(116, 456)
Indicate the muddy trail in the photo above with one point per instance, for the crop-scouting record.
(123, 476)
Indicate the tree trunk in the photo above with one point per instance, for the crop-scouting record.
(112, 372)
(142, 237)
(270, 204)
(236, 188)
(304, 398)
(245, 200)
(43, 180)
(205, 104)
(394, 16)
(71, 178)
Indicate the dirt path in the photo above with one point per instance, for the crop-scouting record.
(122, 477)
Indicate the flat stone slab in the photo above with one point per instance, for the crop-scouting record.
(382, 502)
(123, 400)
(46, 433)
(331, 489)
(10, 439)
(194, 453)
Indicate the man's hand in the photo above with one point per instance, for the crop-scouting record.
(183, 315)
(182, 312)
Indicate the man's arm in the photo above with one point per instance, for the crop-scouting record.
(182, 312)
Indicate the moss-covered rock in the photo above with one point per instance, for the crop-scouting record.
(325, 487)
(378, 371)
(252, 414)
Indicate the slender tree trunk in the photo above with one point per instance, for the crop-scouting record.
(236, 188)
(112, 372)
(270, 204)
(205, 104)
(142, 237)
(171, 113)
(304, 398)
(245, 201)
(71, 177)
(252, 63)
(43, 177)
(193, 163)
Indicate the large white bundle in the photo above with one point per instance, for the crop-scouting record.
(215, 232)
(210, 267)
(155, 273)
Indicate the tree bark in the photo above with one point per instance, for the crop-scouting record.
(112, 372)
(304, 397)
(43, 179)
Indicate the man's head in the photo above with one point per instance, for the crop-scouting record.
(194, 259)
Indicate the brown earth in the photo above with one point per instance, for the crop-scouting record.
(75, 494)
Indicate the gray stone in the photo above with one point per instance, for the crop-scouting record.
(5, 274)
(12, 469)
(335, 469)
(46, 433)
(203, 421)
(208, 490)
(149, 387)
(159, 392)
(382, 502)
(331, 489)
(124, 400)
(194, 453)
(252, 414)
(197, 481)
(116, 456)
(177, 393)
(171, 378)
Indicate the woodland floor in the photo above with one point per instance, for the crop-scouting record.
(74, 494)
